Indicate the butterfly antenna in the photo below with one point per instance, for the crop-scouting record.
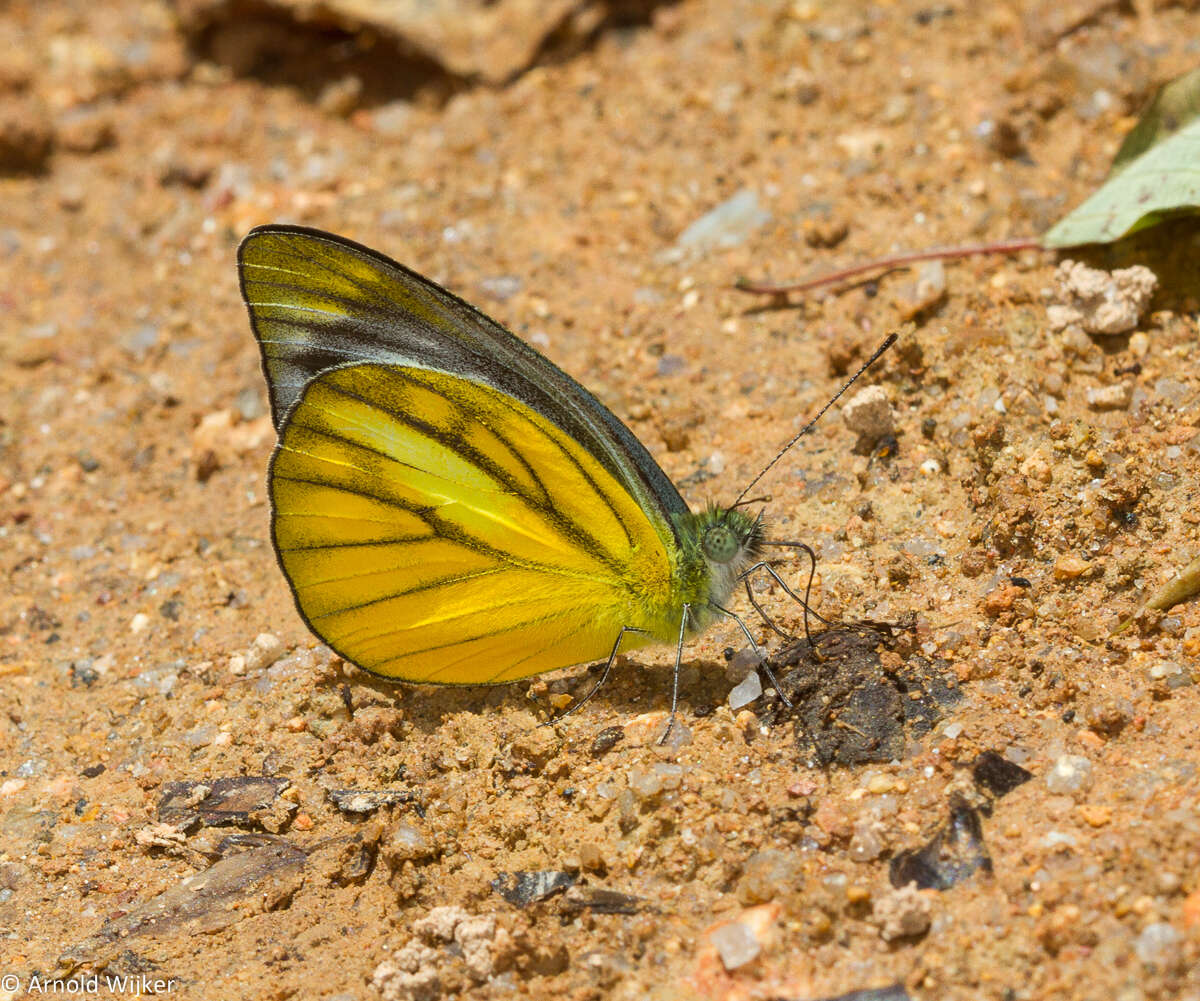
(764, 499)
(887, 343)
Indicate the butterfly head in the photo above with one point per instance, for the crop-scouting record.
(730, 541)
(731, 537)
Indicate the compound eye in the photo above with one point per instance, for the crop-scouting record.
(720, 545)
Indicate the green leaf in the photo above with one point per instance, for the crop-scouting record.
(1175, 105)
(1155, 175)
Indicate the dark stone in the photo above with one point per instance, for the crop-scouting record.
(599, 901)
(952, 855)
(239, 801)
(997, 775)
(82, 673)
(39, 620)
(524, 888)
(369, 800)
(606, 740)
(885, 449)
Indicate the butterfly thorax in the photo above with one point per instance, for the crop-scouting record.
(717, 545)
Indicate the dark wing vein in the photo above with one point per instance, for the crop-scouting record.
(467, 451)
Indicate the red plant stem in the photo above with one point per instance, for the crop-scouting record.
(889, 264)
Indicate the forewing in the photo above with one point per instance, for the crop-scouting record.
(318, 301)
(436, 529)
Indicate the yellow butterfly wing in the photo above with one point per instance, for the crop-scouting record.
(437, 529)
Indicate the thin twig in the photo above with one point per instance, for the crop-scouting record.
(889, 264)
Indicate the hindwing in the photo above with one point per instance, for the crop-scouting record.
(437, 529)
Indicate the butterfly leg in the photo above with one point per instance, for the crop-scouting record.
(754, 646)
(758, 608)
(804, 602)
(603, 677)
(687, 610)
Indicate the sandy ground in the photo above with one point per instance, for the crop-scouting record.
(172, 735)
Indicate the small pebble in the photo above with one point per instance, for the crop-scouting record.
(680, 735)
(27, 135)
(1071, 773)
(645, 784)
(1158, 943)
(1169, 882)
(393, 119)
(405, 843)
(742, 664)
(869, 414)
(1059, 839)
(86, 131)
(501, 287)
(925, 291)
(591, 857)
(1095, 815)
(865, 144)
(1070, 567)
(1001, 600)
(746, 691)
(646, 728)
(265, 651)
(1171, 673)
(341, 97)
(736, 944)
(1173, 391)
(201, 736)
(865, 844)
(1115, 397)
(880, 783)
(903, 913)
(766, 874)
(727, 225)
(669, 775)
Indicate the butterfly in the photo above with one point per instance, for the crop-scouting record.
(450, 507)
